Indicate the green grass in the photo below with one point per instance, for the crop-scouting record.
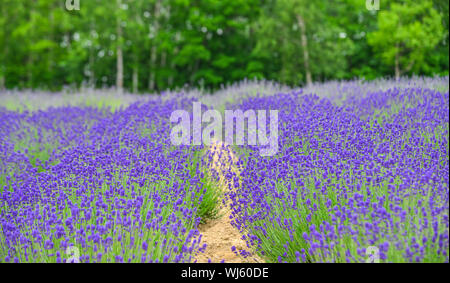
(210, 204)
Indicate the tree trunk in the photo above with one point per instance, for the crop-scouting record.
(163, 59)
(397, 63)
(304, 42)
(91, 67)
(172, 67)
(2, 82)
(151, 81)
(30, 71)
(192, 71)
(5, 54)
(119, 76)
(136, 49)
(92, 58)
(135, 79)
(51, 38)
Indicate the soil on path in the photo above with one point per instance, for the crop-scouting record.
(218, 234)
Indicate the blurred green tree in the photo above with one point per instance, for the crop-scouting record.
(305, 41)
(406, 32)
(152, 45)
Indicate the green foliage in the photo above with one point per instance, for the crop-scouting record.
(210, 201)
(173, 43)
(407, 32)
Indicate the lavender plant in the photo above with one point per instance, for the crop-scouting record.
(108, 183)
(370, 173)
(360, 165)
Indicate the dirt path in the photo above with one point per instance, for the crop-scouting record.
(219, 234)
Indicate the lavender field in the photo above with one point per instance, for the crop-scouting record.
(361, 167)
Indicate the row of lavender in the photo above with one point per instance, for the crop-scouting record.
(351, 183)
(370, 173)
(91, 185)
